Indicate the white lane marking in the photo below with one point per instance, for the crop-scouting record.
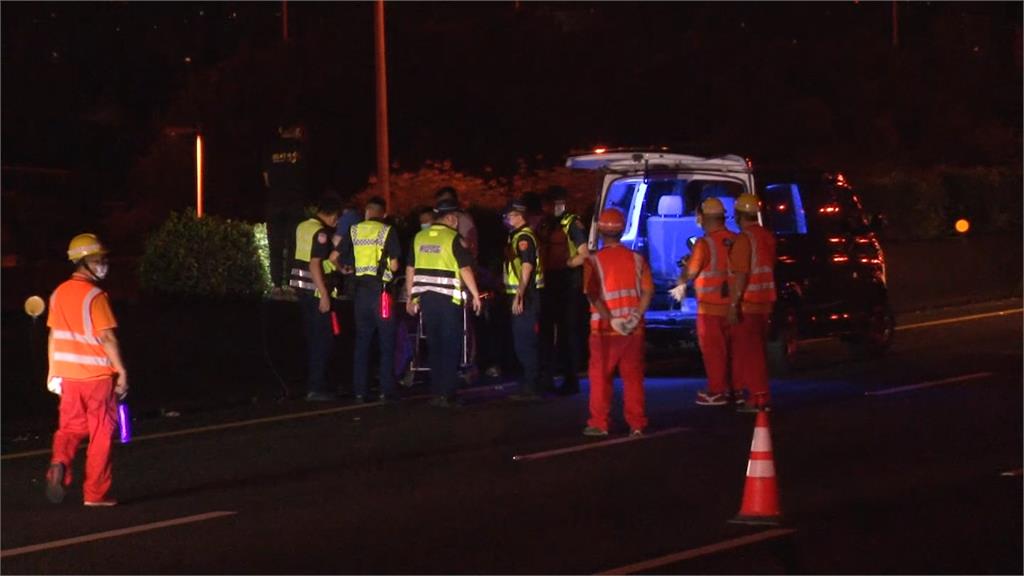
(929, 384)
(653, 563)
(960, 319)
(1017, 472)
(595, 445)
(243, 423)
(113, 533)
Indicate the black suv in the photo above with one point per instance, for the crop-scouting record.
(831, 270)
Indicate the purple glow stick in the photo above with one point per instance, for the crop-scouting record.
(124, 422)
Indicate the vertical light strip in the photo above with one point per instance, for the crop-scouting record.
(199, 175)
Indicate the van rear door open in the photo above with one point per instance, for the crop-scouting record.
(659, 193)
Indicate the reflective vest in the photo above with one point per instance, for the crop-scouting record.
(566, 222)
(711, 285)
(434, 264)
(620, 271)
(761, 283)
(77, 350)
(301, 277)
(514, 264)
(368, 247)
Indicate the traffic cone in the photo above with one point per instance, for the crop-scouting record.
(760, 493)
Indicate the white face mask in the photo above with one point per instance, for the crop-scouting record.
(559, 209)
(100, 270)
(424, 225)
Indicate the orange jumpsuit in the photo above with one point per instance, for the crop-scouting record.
(618, 276)
(79, 312)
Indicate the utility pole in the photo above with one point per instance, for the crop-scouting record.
(895, 25)
(383, 177)
(284, 20)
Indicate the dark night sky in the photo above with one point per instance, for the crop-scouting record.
(88, 86)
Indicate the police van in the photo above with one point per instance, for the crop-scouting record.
(830, 269)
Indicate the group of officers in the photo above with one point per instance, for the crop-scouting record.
(441, 285)
(731, 275)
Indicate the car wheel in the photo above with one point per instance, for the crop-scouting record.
(877, 333)
(781, 349)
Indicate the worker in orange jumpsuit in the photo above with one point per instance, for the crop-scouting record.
(85, 369)
(708, 268)
(751, 300)
(618, 284)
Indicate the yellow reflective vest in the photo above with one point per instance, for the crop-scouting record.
(434, 263)
(514, 265)
(301, 277)
(368, 239)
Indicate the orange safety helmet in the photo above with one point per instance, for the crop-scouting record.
(611, 221)
(712, 205)
(84, 245)
(747, 203)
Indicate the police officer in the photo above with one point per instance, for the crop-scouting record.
(524, 278)
(375, 250)
(565, 250)
(314, 261)
(439, 267)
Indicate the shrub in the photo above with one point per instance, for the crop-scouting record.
(205, 257)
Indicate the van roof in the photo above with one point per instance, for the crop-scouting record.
(637, 161)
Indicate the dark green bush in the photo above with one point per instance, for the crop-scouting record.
(923, 204)
(207, 257)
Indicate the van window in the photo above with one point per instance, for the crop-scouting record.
(784, 209)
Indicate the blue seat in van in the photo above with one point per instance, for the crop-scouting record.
(666, 239)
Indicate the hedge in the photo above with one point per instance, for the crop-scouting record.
(205, 257)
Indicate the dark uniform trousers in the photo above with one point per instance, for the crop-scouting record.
(442, 322)
(526, 341)
(319, 341)
(369, 323)
(563, 311)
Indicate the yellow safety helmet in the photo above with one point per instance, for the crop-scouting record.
(84, 245)
(711, 206)
(747, 203)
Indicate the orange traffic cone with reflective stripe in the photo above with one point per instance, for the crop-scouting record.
(760, 493)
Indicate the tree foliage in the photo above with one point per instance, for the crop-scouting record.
(205, 257)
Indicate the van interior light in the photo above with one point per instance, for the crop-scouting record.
(600, 150)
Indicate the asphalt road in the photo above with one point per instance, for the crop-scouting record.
(906, 464)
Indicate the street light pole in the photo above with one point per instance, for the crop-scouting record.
(382, 107)
(895, 25)
(199, 175)
(284, 20)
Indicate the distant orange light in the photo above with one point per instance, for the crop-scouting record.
(600, 150)
(962, 226)
(199, 176)
(750, 163)
(781, 207)
(829, 209)
(837, 258)
(836, 239)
